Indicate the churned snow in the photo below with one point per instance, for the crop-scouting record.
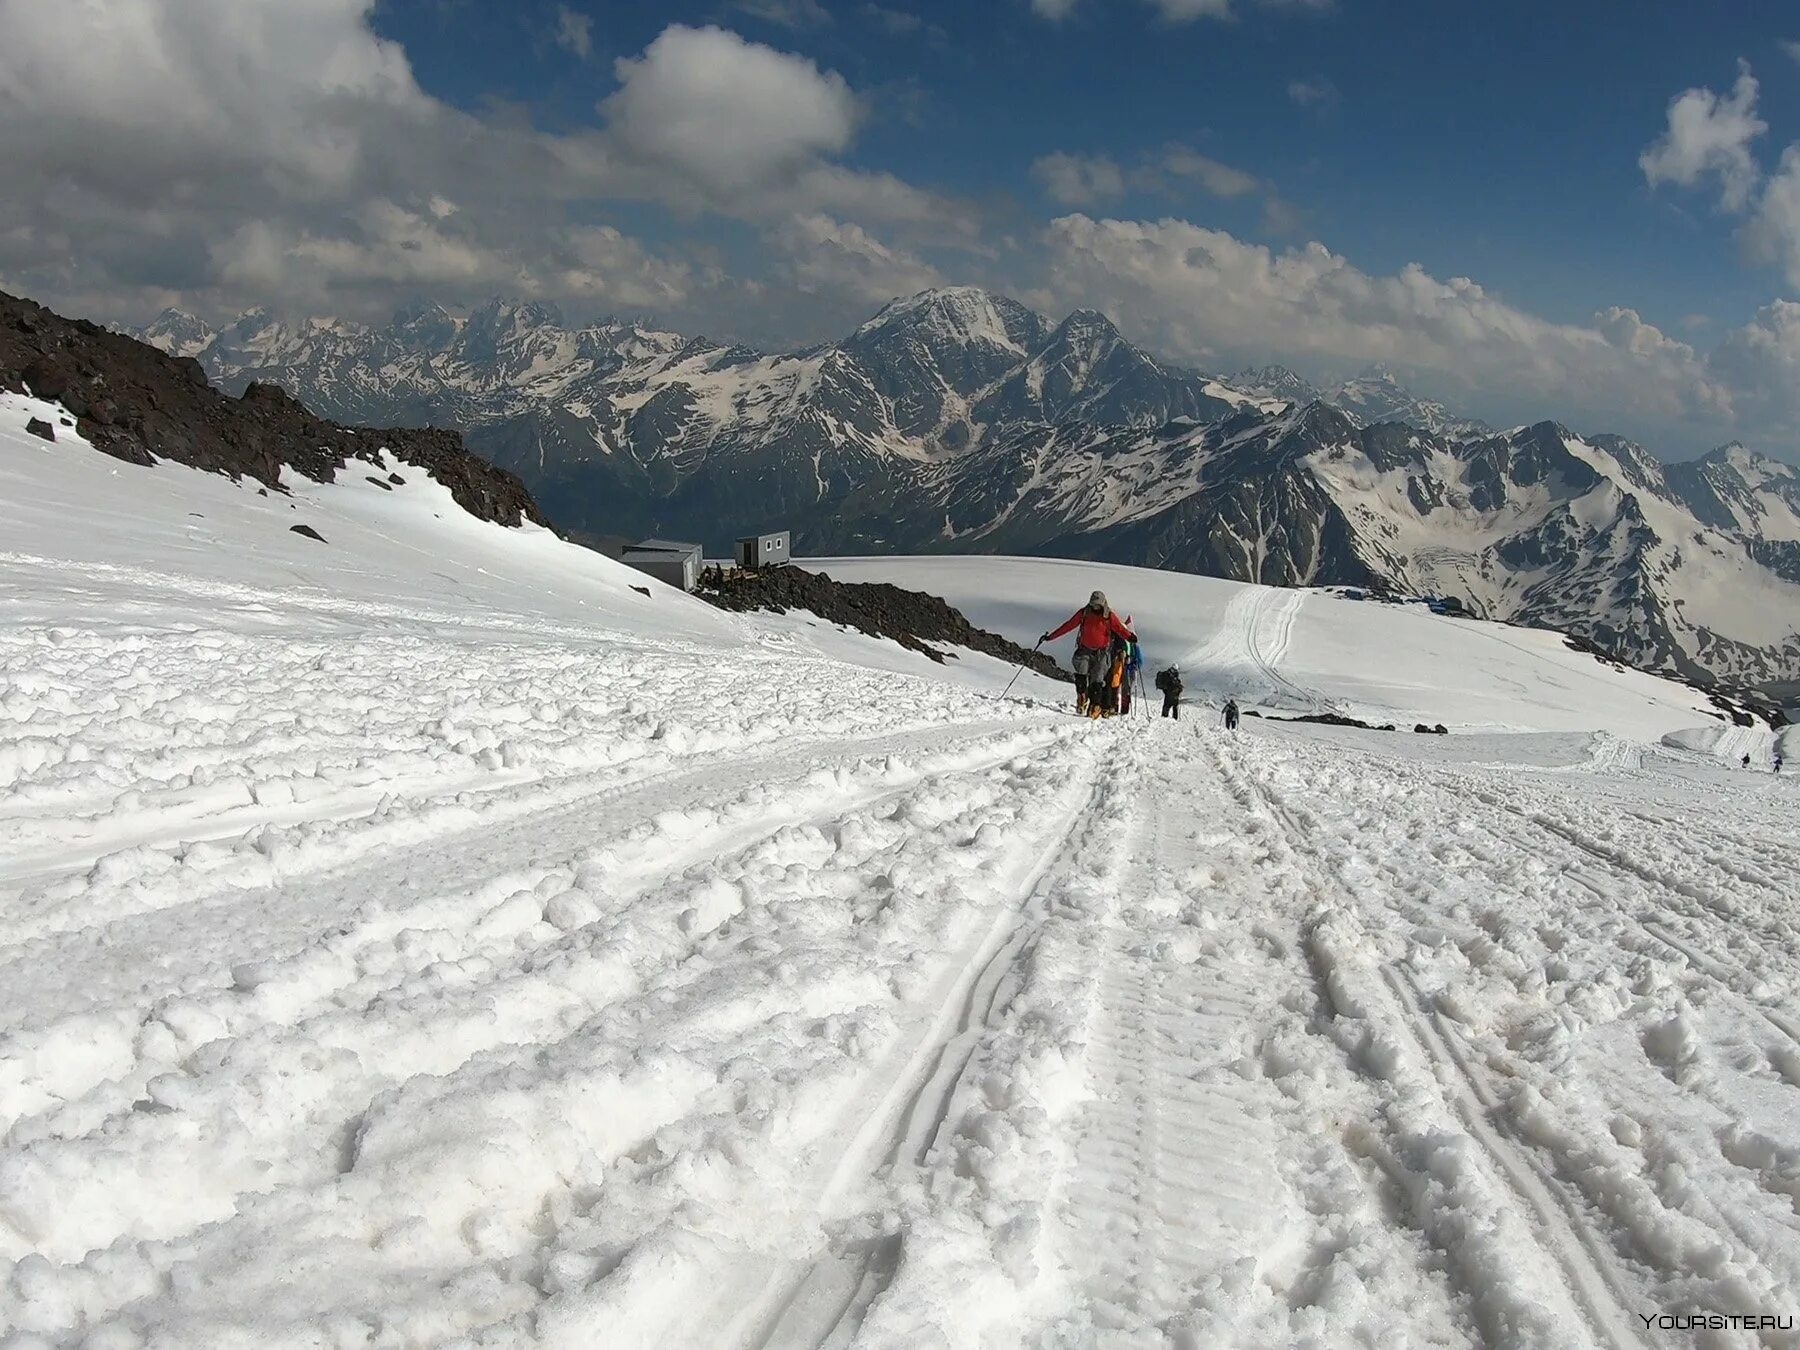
(426, 938)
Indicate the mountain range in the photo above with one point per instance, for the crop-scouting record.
(961, 420)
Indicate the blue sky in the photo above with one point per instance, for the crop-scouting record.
(1511, 210)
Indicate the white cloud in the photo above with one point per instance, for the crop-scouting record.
(874, 196)
(1221, 180)
(574, 32)
(845, 259)
(1792, 48)
(1709, 136)
(597, 262)
(1207, 297)
(242, 151)
(1626, 330)
(1079, 180)
(1054, 10)
(1773, 233)
(729, 116)
(1761, 362)
(1084, 180)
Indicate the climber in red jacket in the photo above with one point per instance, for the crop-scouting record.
(1093, 646)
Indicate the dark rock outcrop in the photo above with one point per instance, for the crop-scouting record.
(38, 427)
(140, 405)
(913, 619)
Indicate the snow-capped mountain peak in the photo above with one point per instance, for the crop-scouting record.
(1276, 382)
(959, 418)
(958, 316)
(178, 333)
(1377, 395)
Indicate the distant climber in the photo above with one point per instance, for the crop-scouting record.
(1169, 683)
(1231, 714)
(1746, 761)
(1778, 761)
(1093, 646)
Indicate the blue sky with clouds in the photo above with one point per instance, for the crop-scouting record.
(1585, 216)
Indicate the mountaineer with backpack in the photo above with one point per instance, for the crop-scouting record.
(1169, 683)
(1231, 714)
(1134, 663)
(1093, 648)
(1117, 699)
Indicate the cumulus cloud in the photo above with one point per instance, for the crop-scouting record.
(1709, 136)
(1761, 361)
(1792, 48)
(1212, 299)
(236, 151)
(727, 115)
(1773, 233)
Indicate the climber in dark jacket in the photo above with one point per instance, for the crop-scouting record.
(1169, 681)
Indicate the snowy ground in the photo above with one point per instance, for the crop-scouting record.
(426, 939)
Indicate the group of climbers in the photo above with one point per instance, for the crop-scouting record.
(1106, 656)
(1107, 664)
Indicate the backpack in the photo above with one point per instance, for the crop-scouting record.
(1168, 682)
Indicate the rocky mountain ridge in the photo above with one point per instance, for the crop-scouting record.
(140, 404)
(961, 420)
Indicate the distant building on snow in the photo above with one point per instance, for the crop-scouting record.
(668, 560)
(764, 550)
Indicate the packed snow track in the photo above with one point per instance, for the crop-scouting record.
(415, 970)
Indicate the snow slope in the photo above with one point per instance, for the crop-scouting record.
(423, 938)
(1311, 651)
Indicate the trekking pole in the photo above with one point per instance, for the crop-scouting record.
(1020, 671)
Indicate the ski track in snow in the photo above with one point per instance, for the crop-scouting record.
(1244, 658)
(379, 973)
(997, 1030)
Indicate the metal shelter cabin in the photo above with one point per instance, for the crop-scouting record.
(764, 550)
(668, 560)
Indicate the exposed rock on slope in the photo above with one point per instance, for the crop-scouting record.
(141, 404)
(920, 622)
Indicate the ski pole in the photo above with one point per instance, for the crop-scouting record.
(1020, 671)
